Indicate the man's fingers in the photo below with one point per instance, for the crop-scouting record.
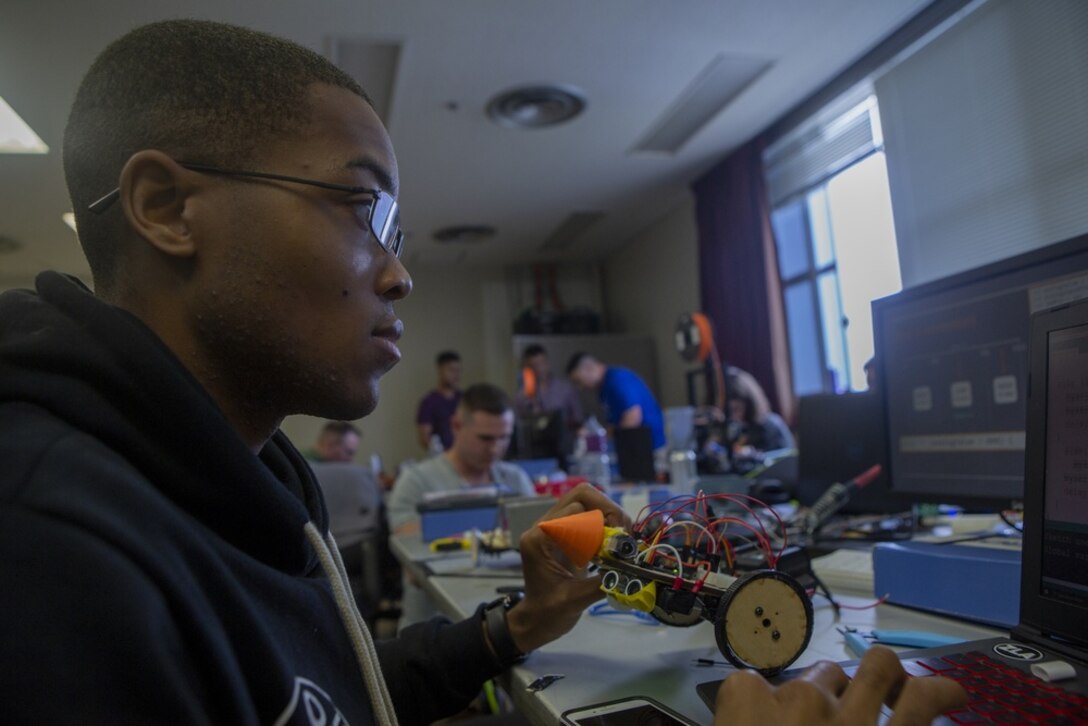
(744, 697)
(563, 509)
(923, 699)
(590, 498)
(879, 675)
(828, 676)
(584, 591)
(807, 697)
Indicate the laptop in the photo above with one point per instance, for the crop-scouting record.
(1006, 676)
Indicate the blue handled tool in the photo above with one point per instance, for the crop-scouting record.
(855, 641)
(912, 638)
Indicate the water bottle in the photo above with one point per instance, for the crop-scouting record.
(594, 463)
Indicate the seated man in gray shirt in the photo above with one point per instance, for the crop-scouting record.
(482, 427)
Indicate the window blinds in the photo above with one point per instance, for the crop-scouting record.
(985, 135)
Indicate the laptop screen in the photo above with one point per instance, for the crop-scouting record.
(1065, 520)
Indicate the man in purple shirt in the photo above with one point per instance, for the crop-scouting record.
(550, 392)
(438, 406)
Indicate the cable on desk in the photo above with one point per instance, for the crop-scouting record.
(603, 609)
(868, 606)
(1004, 514)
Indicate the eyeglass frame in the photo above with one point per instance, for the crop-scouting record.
(392, 241)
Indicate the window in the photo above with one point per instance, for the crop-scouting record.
(833, 227)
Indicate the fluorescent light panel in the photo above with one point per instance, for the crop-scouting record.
(15, 136)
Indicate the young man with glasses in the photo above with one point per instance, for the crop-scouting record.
(165, 549)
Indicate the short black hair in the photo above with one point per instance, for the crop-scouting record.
(532, 351)
(576, 360)
(199, 91)
(447, 356)
(340, 428)
(487, 398)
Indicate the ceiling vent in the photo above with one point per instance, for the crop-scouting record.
(464, 233)
(716, 86)
(536, 107)
(373, 65)
(570, 229)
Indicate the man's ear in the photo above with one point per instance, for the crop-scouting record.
(154, 192)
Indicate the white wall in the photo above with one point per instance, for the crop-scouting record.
(650, 282)
(463, 309)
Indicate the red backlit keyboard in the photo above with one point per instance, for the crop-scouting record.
(1002, 694)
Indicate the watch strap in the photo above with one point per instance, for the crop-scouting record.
(498, 632)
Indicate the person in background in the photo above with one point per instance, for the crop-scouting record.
(626, 397)
(760, 428)
(871, 380)
(437, 407)
(482, 427)
(551, 393)
(337, 442)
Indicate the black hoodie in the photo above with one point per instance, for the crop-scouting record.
(153, 569)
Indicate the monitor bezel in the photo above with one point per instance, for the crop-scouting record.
(1051, 253)
(1042, 614)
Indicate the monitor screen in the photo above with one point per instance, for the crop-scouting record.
(1065, 503)
(953, 362)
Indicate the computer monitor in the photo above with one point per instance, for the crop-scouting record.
(635, 454)
(952, 359)
(838, 438)
(541, 436)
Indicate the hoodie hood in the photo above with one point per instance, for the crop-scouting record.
(103, 371)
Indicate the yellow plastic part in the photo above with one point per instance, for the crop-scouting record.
(609, 533)
(643, 600)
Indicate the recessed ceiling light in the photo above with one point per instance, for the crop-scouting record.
(15, 136)
(465, 233)
(70, 219)
(535, 107)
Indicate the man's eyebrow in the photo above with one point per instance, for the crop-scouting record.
(385, 179)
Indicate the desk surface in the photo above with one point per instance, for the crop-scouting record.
(606, 658)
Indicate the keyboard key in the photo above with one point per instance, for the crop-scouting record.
(967, 717)
(916, 669)
(937, 665)
(1012, 699)
(959, 659)
(1008, 717)
(1035, 710)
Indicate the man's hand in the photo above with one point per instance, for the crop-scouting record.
(824, 695)
(556, 593)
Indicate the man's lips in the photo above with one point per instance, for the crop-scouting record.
(387, 336)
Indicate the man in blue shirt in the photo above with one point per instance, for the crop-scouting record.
(626, 398)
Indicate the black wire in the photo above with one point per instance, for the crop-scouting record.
(1006, 520)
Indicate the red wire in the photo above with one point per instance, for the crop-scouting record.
(668, 513)
(870, 606)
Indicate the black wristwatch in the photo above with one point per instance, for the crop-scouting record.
(498, 629)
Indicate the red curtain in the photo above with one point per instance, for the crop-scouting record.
(738, 272)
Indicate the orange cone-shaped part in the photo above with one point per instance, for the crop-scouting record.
(578, 535)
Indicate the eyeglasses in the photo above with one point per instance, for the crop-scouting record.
(382, 214)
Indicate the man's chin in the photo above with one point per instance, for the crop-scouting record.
(349, 407)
